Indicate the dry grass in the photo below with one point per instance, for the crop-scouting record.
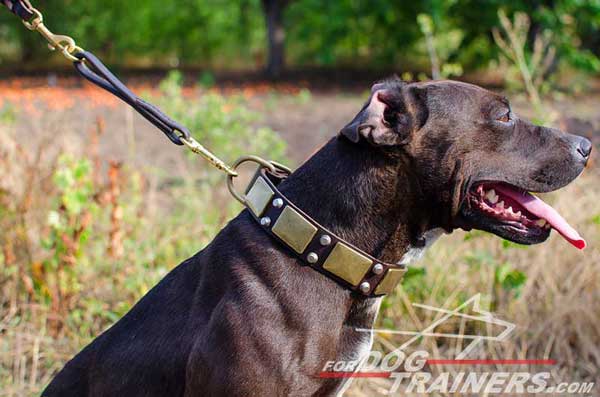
(556, 311)
(89, 222)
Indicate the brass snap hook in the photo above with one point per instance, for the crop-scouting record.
(216, 162)
(65, 44)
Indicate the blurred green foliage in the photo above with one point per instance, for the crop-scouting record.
(356, 33)
(216, 119)
(158, 31)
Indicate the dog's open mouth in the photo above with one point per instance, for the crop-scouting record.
(515, 214)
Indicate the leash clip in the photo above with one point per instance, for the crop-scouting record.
(197, 148)
(65, 44)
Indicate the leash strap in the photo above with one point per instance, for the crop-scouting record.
(91, 68)
(20, 8)
(313, 244)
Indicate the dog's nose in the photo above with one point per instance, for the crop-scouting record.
(584, 147)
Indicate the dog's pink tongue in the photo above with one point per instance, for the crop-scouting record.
(542, 210)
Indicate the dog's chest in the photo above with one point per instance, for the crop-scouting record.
(361, 341)
(360, 337)
(415, 253)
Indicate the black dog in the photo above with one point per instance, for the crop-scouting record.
(243, 317)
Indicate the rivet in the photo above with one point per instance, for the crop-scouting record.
(365, 287)
(278, 203)
(266, 221)
(312, 257)
(378, 268)
(325, 240)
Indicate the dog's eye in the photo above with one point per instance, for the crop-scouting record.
(505, 118)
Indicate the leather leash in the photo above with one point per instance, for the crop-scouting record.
(312, 243)
(92, 69)
(21, 9)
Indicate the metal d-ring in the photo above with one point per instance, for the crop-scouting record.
(245, 159)
(281, 167)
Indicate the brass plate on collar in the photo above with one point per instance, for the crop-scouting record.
(258, 196)
(293, 229)
(348, 264)
(389, 282)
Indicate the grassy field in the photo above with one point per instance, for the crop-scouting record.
(96, 207)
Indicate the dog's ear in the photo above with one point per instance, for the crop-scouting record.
(388, 119)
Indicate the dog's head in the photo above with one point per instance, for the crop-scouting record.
(474, 159)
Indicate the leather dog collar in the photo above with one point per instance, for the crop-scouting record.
(312, 243)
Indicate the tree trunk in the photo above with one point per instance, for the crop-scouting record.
(276, 35)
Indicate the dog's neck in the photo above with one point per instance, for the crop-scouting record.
(364, 195)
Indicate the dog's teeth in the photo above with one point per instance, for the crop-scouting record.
(491, 196)
(509, 210)
(501, 205)
(541, 222)
(518, 213)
